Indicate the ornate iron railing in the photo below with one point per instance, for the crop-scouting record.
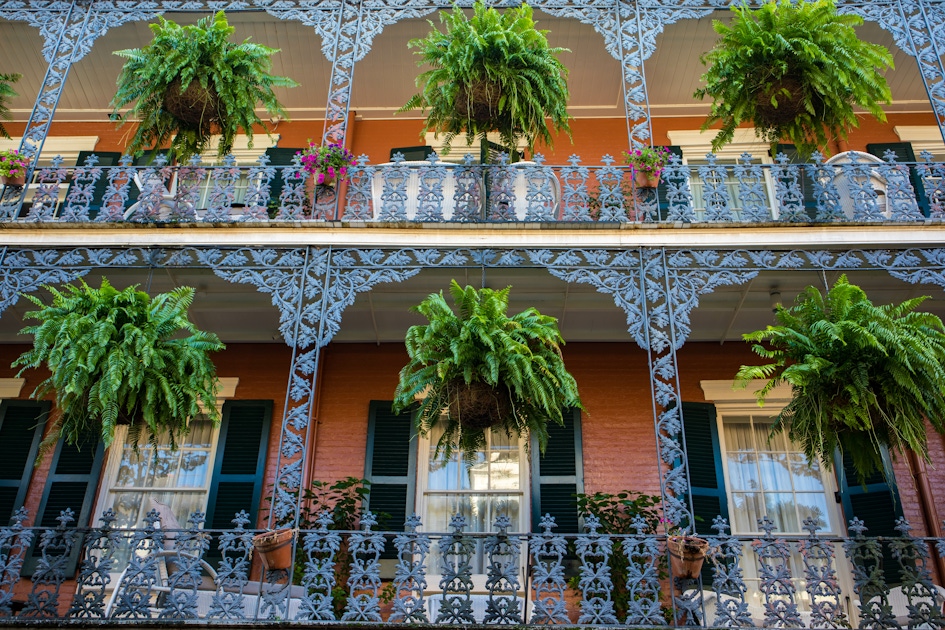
(811, 581)
(850, 188)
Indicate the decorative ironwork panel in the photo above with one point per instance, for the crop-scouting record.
(135, 594)
(236, 551)
(901, 202)
(541, 203)
(912, 554)
(456, 551)
(394, 193)
(364, 582)
(430, 198)
(320, 547)
(823, 590)
(258, 190)
(574, 197)
(774, 558)
(643, 580)
(752, 190)
(610, 198)
(46, 198)
(410, 578)
(55, 547)
(675, 176)
(822, 178)
(502, 195)
(14, 545)
(95, 572)
(82, 191)
(594, 549)
(869, 583)
(715, 190)
(787, 186)
(548, 583)
(728, 580)
(185, 569)
(503, 553)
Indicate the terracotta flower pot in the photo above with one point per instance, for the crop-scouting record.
(8, 180)
(275, 548)
(686, 555)
(644, 179)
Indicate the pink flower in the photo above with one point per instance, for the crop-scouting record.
(321, 178)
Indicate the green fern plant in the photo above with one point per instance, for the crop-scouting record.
(120, 357)
(481, 369)
(491, 72)
(225, 81)
(6, 94)
(862, 376)
(795, 71)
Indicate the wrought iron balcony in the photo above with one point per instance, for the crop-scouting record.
(811, 581)
(856, 188)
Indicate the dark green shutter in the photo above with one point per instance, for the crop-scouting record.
(805, 180)
(105, 158)
(391, 467)
(72, 482)
(240, 464)
(662, 190)
(877, 504)
(558, 475)
(904, 153)
(279, 157)
(21, 429)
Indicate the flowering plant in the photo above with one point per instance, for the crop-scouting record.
(649, 160)
(12, 164)
(327, 162)
(671, 528)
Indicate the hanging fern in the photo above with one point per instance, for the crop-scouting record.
(804, 58)
(119, 357)
(863, 376)
(499, 57)
(6, 94)
(518, 357)
(234, 77)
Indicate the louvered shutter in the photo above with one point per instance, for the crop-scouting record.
(874, 502)
(662, 191)
(239, 467)
(72, 482)
(558, 475)
(807, 184)
(21, 429)
(904, 153)
(704, 459)
(391, 467)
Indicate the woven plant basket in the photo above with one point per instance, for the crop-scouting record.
(196, 106)
(478, 405)
(479, 101)
(767, 115)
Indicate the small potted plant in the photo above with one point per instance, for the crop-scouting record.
(13, 168)
(479, 369)
(491, 71)
(795, 71)
(275, 548)
(646, 164)
(863, 377)
(686, 552)
(326, 163)
(6, 93)
(120, 357)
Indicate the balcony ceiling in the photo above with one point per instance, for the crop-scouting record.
(384, 80)
(238, 313)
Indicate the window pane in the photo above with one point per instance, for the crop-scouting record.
(748, 510)
(814, 505)
(738, 435)
(806, 477)
(780, 509)
(774, 471)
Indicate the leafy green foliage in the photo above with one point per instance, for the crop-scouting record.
(521, 353)
(6, 93)
(500, 51)
(862, 376)
(238, 73)
(781, 50)
(119, 356)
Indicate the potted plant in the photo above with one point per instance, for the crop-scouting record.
(13, 168)
(120, 357)
(275, 548)
(796, 71)
(479, 369)
(686, 552)
(6, 93)
(646, 164)
(190, 83)
(327, 164)
(491, 72)
(862, 376)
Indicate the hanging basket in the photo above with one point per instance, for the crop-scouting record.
(643, 179)
(478, 405)
(275, 548)
(788, 107)
(686, 555)
(479, 101)
(197, 106)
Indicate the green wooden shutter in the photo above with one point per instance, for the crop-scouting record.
(876, 503)
(704, 460)
(105, 158)
(662, 190)
(904, 153)
(558, 475)
(391, 467)
(21, 429)
(807, 184)
(72, 482)
(239, 466)
(279, 156)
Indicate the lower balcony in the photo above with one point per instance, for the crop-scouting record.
(851, 187)
(165, 573)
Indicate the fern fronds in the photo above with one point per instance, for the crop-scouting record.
(862, 375)
(481, 343)
(118, 356)
(6, 93)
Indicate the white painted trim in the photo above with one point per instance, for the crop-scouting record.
(66, 146)
(698, 143)
(726, 392)
(922, 137)
(11, 387)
